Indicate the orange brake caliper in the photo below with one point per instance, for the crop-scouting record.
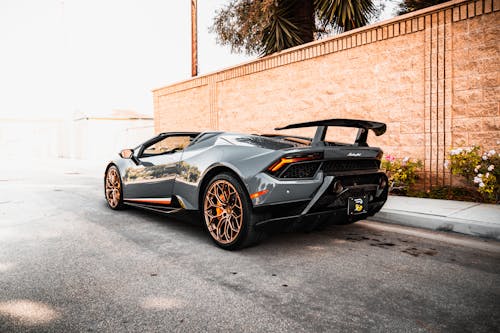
(218, 210)
(222, 197)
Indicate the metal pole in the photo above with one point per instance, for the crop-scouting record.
(194, 38)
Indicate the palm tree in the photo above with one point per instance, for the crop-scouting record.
(268, 26)
(407, 6)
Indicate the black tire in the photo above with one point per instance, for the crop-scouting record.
(113, 189)
(227, 213)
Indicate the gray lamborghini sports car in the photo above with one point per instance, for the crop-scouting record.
(239, 183)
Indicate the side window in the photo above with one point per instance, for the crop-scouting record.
(168, 145)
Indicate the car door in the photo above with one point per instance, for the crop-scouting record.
(152, 179)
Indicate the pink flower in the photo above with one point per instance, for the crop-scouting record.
(390, 158)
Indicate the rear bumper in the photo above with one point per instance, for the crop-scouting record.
(338, 215)
(326, 202)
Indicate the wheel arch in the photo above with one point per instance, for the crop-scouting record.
(118, 164)
(215, 170)
(109, 165)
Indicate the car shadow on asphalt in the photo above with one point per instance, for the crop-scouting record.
(186, 230)
(188, 226)
(183, 223)
(186, 233)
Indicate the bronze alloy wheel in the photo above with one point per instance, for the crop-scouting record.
(113, 188)
(223, 211)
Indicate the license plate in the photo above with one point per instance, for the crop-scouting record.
(357, 206)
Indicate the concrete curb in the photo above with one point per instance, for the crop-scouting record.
(438, 223)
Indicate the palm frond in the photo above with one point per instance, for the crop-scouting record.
(344, 15)
(282, 31)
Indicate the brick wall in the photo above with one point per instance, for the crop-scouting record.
(432, 76)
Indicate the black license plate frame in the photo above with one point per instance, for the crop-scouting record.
(357, 205)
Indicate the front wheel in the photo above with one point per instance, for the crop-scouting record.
(227, 213)
(113, 188)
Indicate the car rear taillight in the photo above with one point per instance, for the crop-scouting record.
(280, 165)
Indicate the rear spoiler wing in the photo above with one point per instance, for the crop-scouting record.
(363, 125)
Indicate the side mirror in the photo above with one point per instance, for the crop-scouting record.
(129, 154)
(126, 153)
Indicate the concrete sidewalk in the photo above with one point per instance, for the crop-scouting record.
(468, 218)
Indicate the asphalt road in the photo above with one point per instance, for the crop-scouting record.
(70, 264)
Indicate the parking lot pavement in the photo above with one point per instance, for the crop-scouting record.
(70, 264)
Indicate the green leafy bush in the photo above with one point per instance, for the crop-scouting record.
(402, 174)
(448, 192)
(479, 170)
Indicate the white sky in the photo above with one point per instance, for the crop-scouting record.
(93, 56)
(58, 57)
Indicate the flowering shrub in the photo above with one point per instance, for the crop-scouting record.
(481, 170)
(402, 174)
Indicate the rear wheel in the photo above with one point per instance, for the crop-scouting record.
(113, 188)
(227, 213)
